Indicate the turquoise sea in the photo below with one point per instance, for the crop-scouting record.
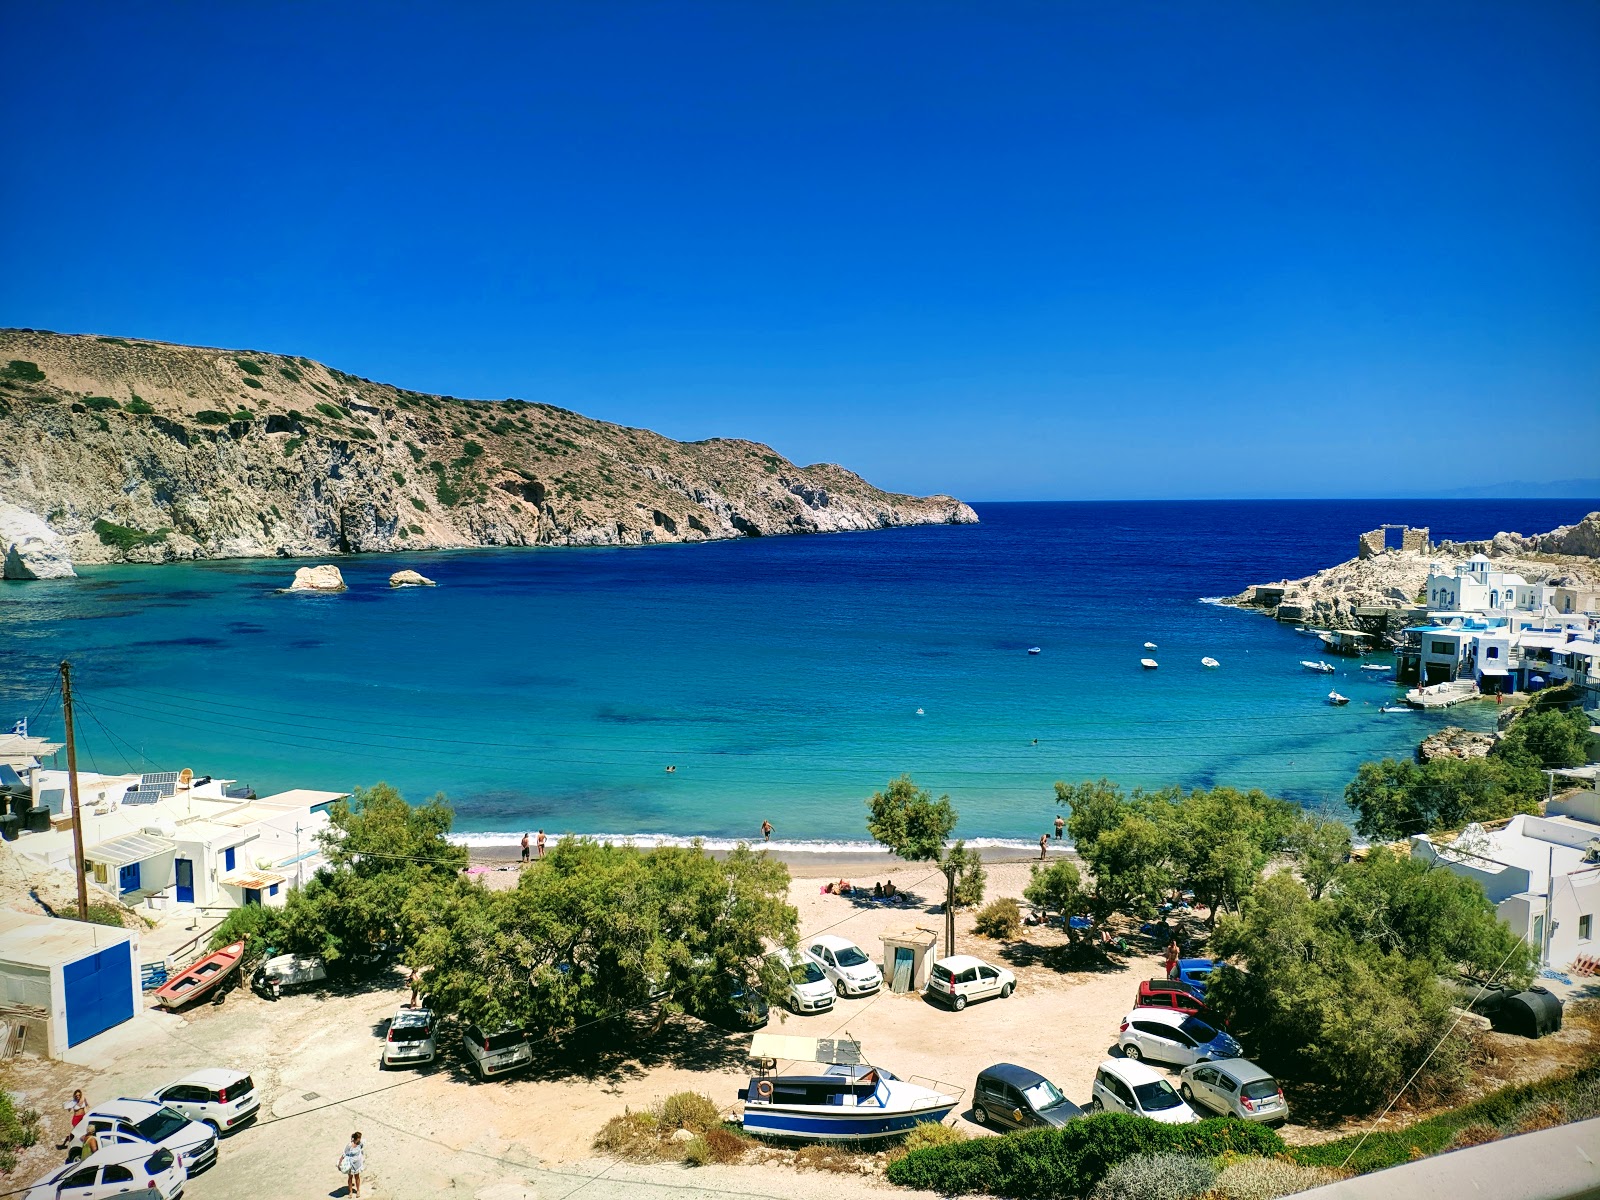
(781, 677)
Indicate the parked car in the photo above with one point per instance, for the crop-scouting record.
(736, 1005)
(1127, 1085)
(128, 1122)
(111, 1173)
(1195, 972)
(496, 1053)
(846, 965)
(809, 989)
(961, 979)
(1234, 1087)
(410, 1038)
(286, 972)
(1009, 1096)
(1173, 994)
(1173, 1037)
(217, 1097)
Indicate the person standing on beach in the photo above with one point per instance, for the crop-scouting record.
(766, 831)
(541, 845)
(351, 1162)
(77, 1108)
(1061, 824)
(524, 847)
(1044, 844)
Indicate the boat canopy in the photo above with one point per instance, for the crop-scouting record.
(845, 1051)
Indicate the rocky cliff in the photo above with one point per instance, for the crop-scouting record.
(124, 450)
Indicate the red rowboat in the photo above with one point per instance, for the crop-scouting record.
(202, 979)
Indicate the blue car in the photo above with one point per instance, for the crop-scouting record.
(1195, 972)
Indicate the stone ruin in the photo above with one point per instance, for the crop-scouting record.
(1376, 541)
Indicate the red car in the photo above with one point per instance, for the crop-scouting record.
(1173, 994)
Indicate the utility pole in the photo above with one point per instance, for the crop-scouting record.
(72, 786)
(949, 908)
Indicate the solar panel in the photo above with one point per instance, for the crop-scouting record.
(142, 795)
(166, 782)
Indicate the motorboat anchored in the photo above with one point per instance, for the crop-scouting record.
(1149, 645)
(1377, 666)
(1395, 708)
(1035, 650)
(850, 1101)
(1326, 668)
(1208, 661)
(1149, 664)
(1338, 701)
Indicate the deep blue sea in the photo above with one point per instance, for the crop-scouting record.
(784, 678)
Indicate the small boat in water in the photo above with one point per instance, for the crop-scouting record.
(1149, 645)
(1325, 667)
(1337, 700)
(1395, 708)
(204, 978)
(1035, 650)
(1377, 666)
(1149, 664)
(850, 1105)
(1208, 661)
(919, 712)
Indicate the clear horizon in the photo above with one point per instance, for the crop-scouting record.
(1017, 252)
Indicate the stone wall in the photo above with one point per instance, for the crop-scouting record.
(1374, 542)
(1415, 539)
(1371, 543)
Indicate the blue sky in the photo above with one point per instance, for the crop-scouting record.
(1004, 250)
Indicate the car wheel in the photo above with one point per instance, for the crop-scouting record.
(958, 1003)
(1187, 1093)
(1095, 1105)
(979, 1114)
(838, 986)
(216, 1129)
(1132, 1051)
(1007, 990)
(794, 1006)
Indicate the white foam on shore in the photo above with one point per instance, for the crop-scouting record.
(651, 841)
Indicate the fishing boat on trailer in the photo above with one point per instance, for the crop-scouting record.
(855, 1104)
(204, 978)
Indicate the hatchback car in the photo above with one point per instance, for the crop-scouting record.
(496, 1053)
(1235, 1087)
(113, 1172)
(1167, 993)
(961, 979)
(1124, 1085)
(846, 965)
(217, 1097)
(410, 1038)
(1195, 972)
(134, 1122)
(1013, 1097)
(1173, 1037)
(809, 989)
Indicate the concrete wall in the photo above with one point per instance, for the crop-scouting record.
(1575, 896)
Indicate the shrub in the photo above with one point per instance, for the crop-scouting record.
(19, 1129)
(1157, 1177)
(398, 477)
(100, 403)
(472, 450)
(418, 504)
(1071, 1160)
(634, 1137)
(124, 538)
(293, 444)
(416, 529)
(820, 1157)
(1475, 1135)
(140, 407)
(1000, 918)
(1269, 1178)
(105, 914)
(243, 414)
(689, 1110)
(252, 383)
(332, 410)
(932, 1133)
(716, 1145)
(210, 416)
(248, 367)
(290, 374)
(23, 371)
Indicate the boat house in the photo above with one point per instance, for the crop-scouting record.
(62, 982)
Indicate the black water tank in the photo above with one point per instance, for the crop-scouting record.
(38, 820)
(20, 805)
(1530, 1014)
(10, 825)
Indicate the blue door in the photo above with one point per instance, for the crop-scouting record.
(99, 992)
(183, 871)
(128, 878)
(252, 895)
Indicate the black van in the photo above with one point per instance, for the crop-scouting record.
(1009, 1096)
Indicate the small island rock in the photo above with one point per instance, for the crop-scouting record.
(410, 579)
(30, 548)
(325, 578)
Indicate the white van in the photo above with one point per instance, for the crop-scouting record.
(961, 979)
(1126, 1085)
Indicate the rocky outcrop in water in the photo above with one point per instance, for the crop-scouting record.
(410, 579)
(148, 452)
(325, 578)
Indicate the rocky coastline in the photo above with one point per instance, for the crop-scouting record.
(118, 450)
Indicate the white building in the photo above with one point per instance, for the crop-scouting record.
(1542, 874)
(66, 981)
(1475, 587)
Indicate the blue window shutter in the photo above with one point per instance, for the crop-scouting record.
(273, 890)
(227, 859)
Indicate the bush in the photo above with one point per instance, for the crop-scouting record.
(140, 407)
(100, 403)
(689, 1110)
(293, 444)
(418, 504)
(23, 371)
(126, 539)
(333, 411)
(1269, 1178)
(633, 1137)
(1070, 1161)
(1157, 1177)
(210, 416)
(932, 1133)
(105, 914)
(821, 1157)
(716, 1145)
(19, 1129)
(1000, 919)
(290, 374)
(248, 367)
(262, 928)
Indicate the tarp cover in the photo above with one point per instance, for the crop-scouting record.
(804, 1049)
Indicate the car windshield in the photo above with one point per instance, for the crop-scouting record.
(942, 974)
(1199, 1030)
(806, 972)
(160, 1125)
(1157, 1096)
(1042, 1095)
(1260, 1089)
(851, 956)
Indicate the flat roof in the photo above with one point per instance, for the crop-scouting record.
(302, 798)
(123, 851)
(48, 941)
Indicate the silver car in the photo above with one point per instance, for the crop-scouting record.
(1234, 1087)
(410, 1038)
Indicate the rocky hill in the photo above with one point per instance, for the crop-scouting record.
(119, 450)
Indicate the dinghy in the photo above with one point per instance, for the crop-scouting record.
(1377, 666)
(1149, 645)
(1149, 664)
(1394, 708)
(853, 1105)
(1325, 667)
(205, 978)
(1035, 650)
(1208, 661)
(1337, 700)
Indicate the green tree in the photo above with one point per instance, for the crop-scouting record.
(1220, 840)
(1551, 738)
(915, 827)
(1320, 847)
(19, 1129)
(1057, 888)
(1385, 796)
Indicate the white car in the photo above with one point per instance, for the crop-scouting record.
(961, 979)
(496, 1053)
(1127, 1085)
(1169, 1036)
(809, 989)
(134, 1122)
(113, 1172)
(845, 964)
(410, 1038)
(216, 1097)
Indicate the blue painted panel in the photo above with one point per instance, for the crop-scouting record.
(99, 992)
(128, 878)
